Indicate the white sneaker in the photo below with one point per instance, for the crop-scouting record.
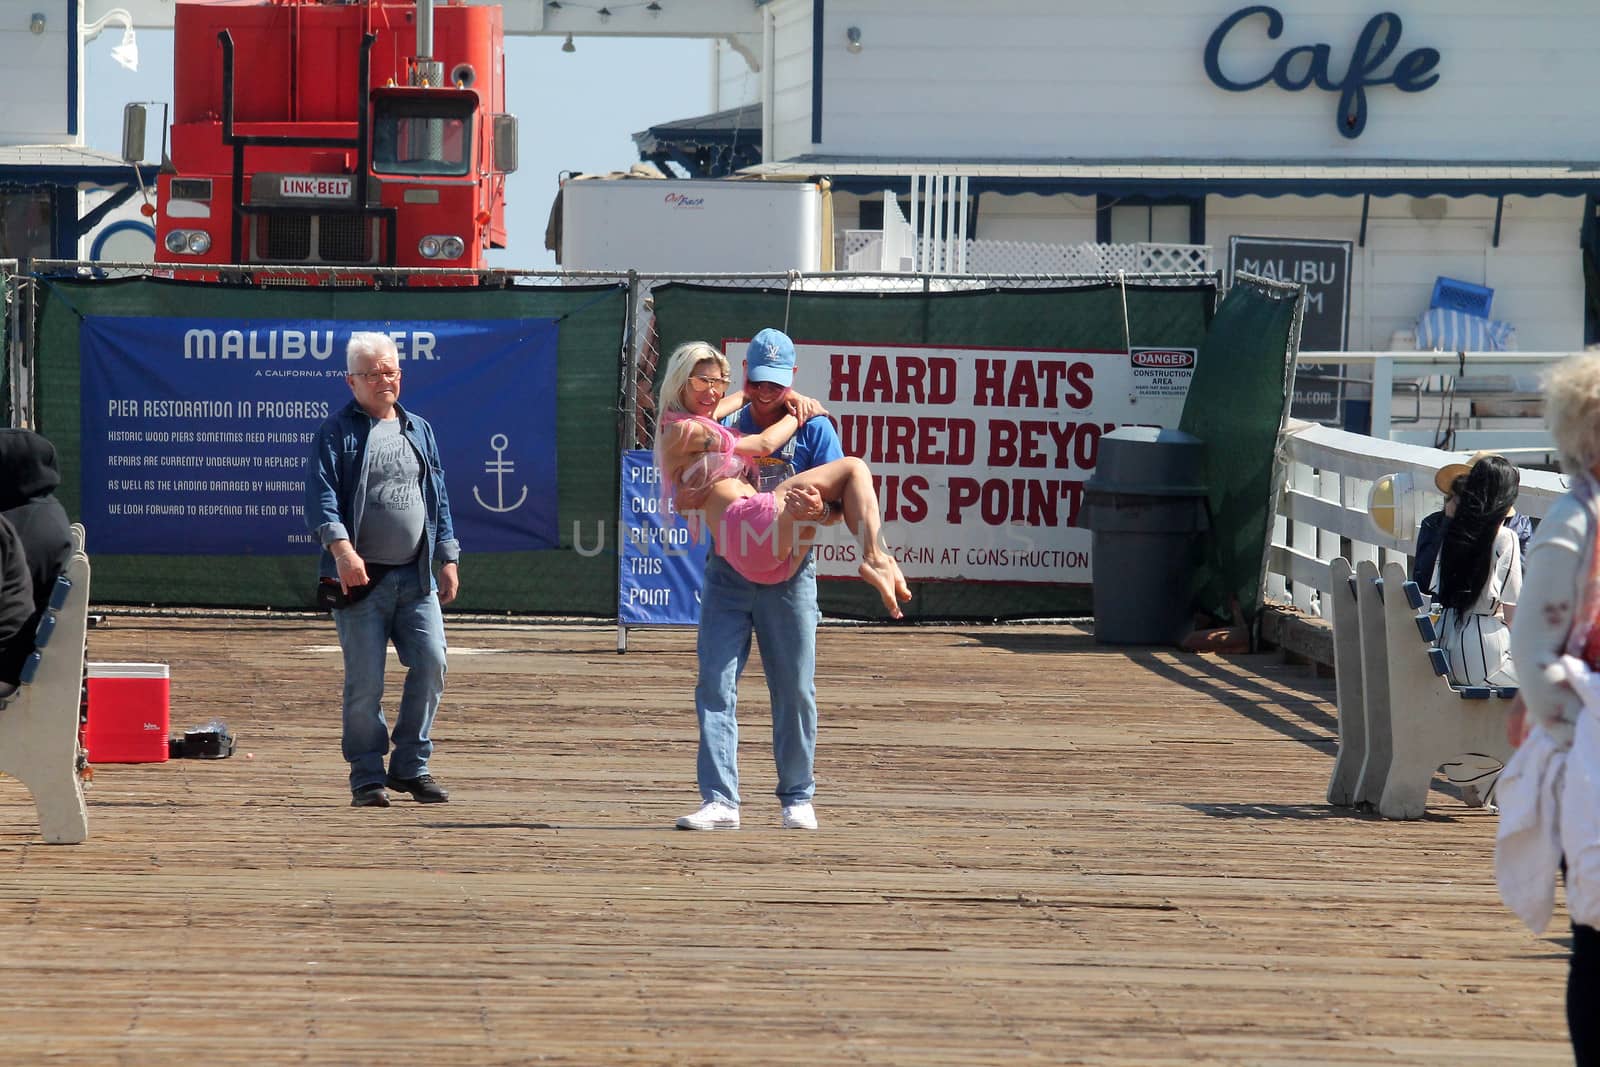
(713, 815)
(800, 816)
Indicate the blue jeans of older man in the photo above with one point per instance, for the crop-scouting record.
(783, 618)
(397, 609)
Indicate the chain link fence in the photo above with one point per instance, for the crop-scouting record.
(646, 353)
(615, 328)
(640, 352)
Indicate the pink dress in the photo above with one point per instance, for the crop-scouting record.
(747, 536)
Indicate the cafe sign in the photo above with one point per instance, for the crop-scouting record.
(1310, 66)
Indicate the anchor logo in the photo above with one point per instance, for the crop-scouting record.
(499, 467)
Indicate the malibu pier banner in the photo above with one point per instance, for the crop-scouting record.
(197, 432)
(980, 455)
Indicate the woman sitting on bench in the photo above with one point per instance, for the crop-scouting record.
(1479, 577)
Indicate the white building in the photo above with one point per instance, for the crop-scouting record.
(58, 199)
(1448, 138)
(1453, 138)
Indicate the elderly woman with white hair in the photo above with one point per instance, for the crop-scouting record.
(1550, 791)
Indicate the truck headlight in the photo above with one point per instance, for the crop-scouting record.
(441, 246)
(188, 242)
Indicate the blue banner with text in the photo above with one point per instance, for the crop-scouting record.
(661, 566)
(197, 432)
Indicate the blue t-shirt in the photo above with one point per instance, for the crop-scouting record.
(814, 444)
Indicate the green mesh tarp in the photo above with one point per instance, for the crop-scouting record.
(1088, 317)
(1236, 405)
(563, 580)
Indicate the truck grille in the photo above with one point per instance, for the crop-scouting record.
(345, 239)
(298, 237)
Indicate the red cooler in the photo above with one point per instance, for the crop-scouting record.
(128, 713)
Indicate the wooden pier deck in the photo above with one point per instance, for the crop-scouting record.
(1033, 850)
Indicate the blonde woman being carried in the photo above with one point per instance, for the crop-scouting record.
(705, 470)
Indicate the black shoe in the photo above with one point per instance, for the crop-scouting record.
(422, 787)
(369, 796)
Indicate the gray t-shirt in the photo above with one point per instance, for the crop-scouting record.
(393, 521)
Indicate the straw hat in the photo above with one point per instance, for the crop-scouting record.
(1448, 473)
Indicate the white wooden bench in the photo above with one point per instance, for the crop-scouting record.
(1361, 674)
(39, 722)
(1432, 721)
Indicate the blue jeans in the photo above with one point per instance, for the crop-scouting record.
(784, 620)
(398, 609)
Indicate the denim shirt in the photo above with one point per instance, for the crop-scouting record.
(337, 475)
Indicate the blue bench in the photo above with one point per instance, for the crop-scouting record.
(39, 722)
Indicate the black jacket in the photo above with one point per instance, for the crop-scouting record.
(16, 607)
(28, 478)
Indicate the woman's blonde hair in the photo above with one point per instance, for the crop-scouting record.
(1572, 411)
(685, 358)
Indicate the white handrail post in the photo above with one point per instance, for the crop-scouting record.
(961, 225)
(1382, 397)
(1305, 534)
(1353, 498)
(911, 220)
(1277, 584)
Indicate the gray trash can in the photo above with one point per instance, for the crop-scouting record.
(1146, 508)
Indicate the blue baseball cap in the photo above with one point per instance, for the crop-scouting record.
(770, 358)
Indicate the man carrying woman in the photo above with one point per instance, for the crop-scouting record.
(761, 579)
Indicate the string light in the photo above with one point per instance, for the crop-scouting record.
(605, 10)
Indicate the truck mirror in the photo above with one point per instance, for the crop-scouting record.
(505, 144)
(133, 122)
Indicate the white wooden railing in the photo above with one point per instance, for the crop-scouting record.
(1322, 511)
(1468, 376)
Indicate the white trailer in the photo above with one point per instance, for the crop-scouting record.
(660, 225)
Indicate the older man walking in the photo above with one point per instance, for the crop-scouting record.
(375, 497)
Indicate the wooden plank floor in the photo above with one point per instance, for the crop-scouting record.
(1033, 850)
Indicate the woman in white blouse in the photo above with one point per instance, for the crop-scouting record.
(1479, 577)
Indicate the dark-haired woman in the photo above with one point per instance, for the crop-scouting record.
(1479, 577)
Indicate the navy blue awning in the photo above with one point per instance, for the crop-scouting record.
(68, 165)
(1200, 178)
(706, 146)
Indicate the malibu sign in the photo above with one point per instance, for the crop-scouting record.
(1308, 65)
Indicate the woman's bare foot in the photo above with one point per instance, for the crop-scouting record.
(883, 574)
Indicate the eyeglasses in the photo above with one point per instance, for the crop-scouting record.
(376, 376)
(765, 387)
(706, 381)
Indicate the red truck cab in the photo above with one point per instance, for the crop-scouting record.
(312, 133)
